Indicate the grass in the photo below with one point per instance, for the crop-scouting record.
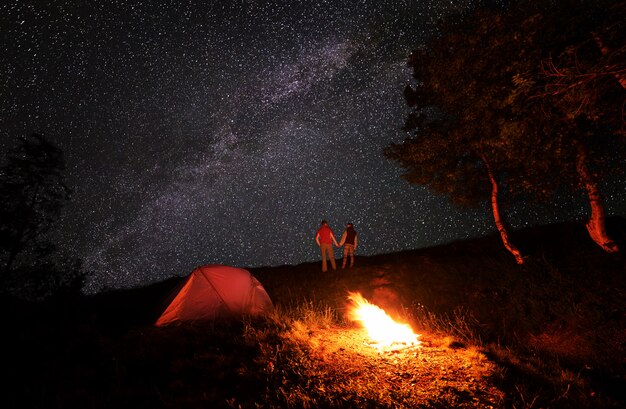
(550, 334)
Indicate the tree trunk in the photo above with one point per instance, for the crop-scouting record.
(596, 224)
(495, 206)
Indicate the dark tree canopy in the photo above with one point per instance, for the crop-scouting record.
(484, 79)
(490, 104)
(456, 120)
(574, 96)
(32, 195)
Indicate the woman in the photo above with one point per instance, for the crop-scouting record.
(349, 240)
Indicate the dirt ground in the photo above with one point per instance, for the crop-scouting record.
(433, 374)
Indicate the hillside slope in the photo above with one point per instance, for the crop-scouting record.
(554, 329)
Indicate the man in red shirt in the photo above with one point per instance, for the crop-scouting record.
(325, 239)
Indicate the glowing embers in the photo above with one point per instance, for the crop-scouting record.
(384, 332)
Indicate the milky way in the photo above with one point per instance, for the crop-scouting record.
(223, 133)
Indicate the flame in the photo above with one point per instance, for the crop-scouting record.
(381, 328)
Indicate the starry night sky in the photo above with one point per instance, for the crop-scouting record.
(224, 131)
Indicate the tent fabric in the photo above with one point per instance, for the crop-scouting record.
(215, 290)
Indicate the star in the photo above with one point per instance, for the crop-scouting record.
(224, 132)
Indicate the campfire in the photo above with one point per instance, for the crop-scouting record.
(383, 331)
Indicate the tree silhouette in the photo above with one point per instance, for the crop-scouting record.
(457, 145)
(577, 94)
(481, 117)
(32, 194)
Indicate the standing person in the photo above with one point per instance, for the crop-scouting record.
(325, 238)
(349, 240)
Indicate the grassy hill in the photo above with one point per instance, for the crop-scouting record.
(550, 333)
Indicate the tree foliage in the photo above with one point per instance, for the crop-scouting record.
(488, 95)
(574, 93)
(32, 195)
(455, 123)
(575, 97)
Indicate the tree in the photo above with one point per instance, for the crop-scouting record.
(476, 108)
(32, 194)
(457, 120)
(578, 89)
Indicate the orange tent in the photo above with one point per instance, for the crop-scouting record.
(214, 290)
